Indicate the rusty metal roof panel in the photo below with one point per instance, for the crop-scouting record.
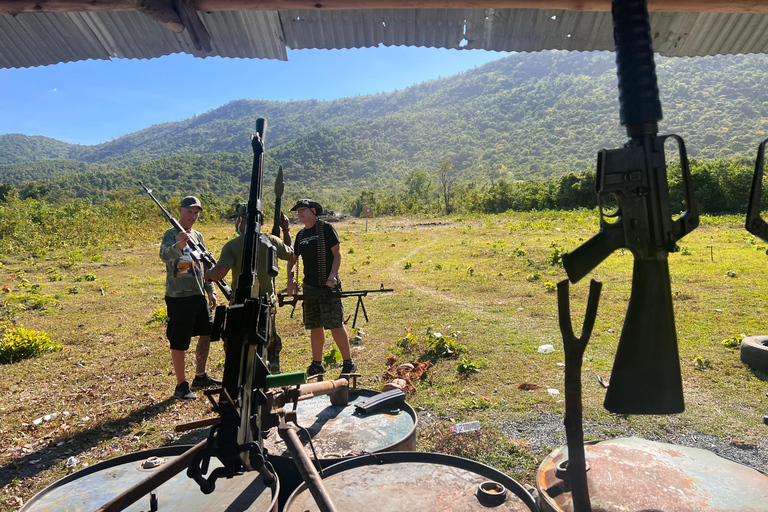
(48, 38)
(523, 30)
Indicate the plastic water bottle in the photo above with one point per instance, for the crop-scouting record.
(460, 428)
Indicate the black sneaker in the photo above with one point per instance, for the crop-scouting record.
(204, 381)
(315, 369)
(348, 367)
(182, 392)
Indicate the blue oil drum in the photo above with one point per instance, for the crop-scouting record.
(92, 487)
(632, 475)
(339, 433)
(427, 482)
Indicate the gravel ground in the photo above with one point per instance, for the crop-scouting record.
(546, 432)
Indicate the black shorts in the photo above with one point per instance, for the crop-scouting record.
(327, 313)
(187, 317)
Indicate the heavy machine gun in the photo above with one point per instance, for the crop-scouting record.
(635, 214)
(251, 400)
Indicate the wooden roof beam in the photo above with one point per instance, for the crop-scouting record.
(724, 6)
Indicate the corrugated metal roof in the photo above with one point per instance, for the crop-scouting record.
(35, 39)
(48, 38)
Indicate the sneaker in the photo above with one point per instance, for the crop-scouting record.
(204, 381)
(182, 392)
(315, 369)
(349, 366)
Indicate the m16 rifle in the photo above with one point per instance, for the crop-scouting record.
(198, 252)
(635, 214)
(325, 292)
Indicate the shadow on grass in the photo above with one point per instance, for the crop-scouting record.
(34, 463)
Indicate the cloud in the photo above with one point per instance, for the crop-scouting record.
(54, 89)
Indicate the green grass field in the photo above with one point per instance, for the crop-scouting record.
(489, 280)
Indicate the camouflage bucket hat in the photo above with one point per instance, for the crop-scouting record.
(241, 210)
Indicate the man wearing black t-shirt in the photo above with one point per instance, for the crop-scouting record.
(319, 247)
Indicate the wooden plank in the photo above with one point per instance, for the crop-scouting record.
(724, 6)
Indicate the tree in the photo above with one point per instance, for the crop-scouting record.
(446, 180)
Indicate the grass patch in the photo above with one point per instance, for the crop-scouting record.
(114, 376)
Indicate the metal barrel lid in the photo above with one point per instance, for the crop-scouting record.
(428, 482)
(632, 474)
(92, 487)
(341, 432)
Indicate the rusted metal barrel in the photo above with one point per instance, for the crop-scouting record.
(427, 482)
(632, 475)
(90, 488)
(340, 433)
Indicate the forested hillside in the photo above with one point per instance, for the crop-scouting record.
(525, 116)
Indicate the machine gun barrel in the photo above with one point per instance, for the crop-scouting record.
(198, 253)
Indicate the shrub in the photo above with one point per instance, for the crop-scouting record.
(159, 316)
(19, 343)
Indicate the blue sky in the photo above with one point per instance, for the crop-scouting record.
(95, 101)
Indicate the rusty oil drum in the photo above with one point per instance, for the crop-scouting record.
(92, 487)
(427, 482)
(340, 433)
(632, 475)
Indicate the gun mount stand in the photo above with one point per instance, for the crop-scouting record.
(575, 472)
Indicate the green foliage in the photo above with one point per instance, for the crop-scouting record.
(19, 343)
(734, 342)
(159, 316)
(332, 358)
(407, 342)
(466, 367)
(701, 363)
(444, 346)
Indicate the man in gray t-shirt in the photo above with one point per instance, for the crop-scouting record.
(189, 313)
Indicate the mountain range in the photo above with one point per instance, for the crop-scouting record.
(525, 116)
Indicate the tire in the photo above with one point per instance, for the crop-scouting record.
(754, 353)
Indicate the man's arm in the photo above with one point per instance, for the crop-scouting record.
(169, 247)
(332, 281)
(216, 273)
(285, 225)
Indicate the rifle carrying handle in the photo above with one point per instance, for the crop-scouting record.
(689, 220)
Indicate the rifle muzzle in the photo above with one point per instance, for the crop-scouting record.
(646, 375)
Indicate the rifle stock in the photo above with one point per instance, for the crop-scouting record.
(646, 376)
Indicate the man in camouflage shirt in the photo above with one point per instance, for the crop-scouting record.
(189, 313)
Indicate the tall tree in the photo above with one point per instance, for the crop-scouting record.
(446, 180)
